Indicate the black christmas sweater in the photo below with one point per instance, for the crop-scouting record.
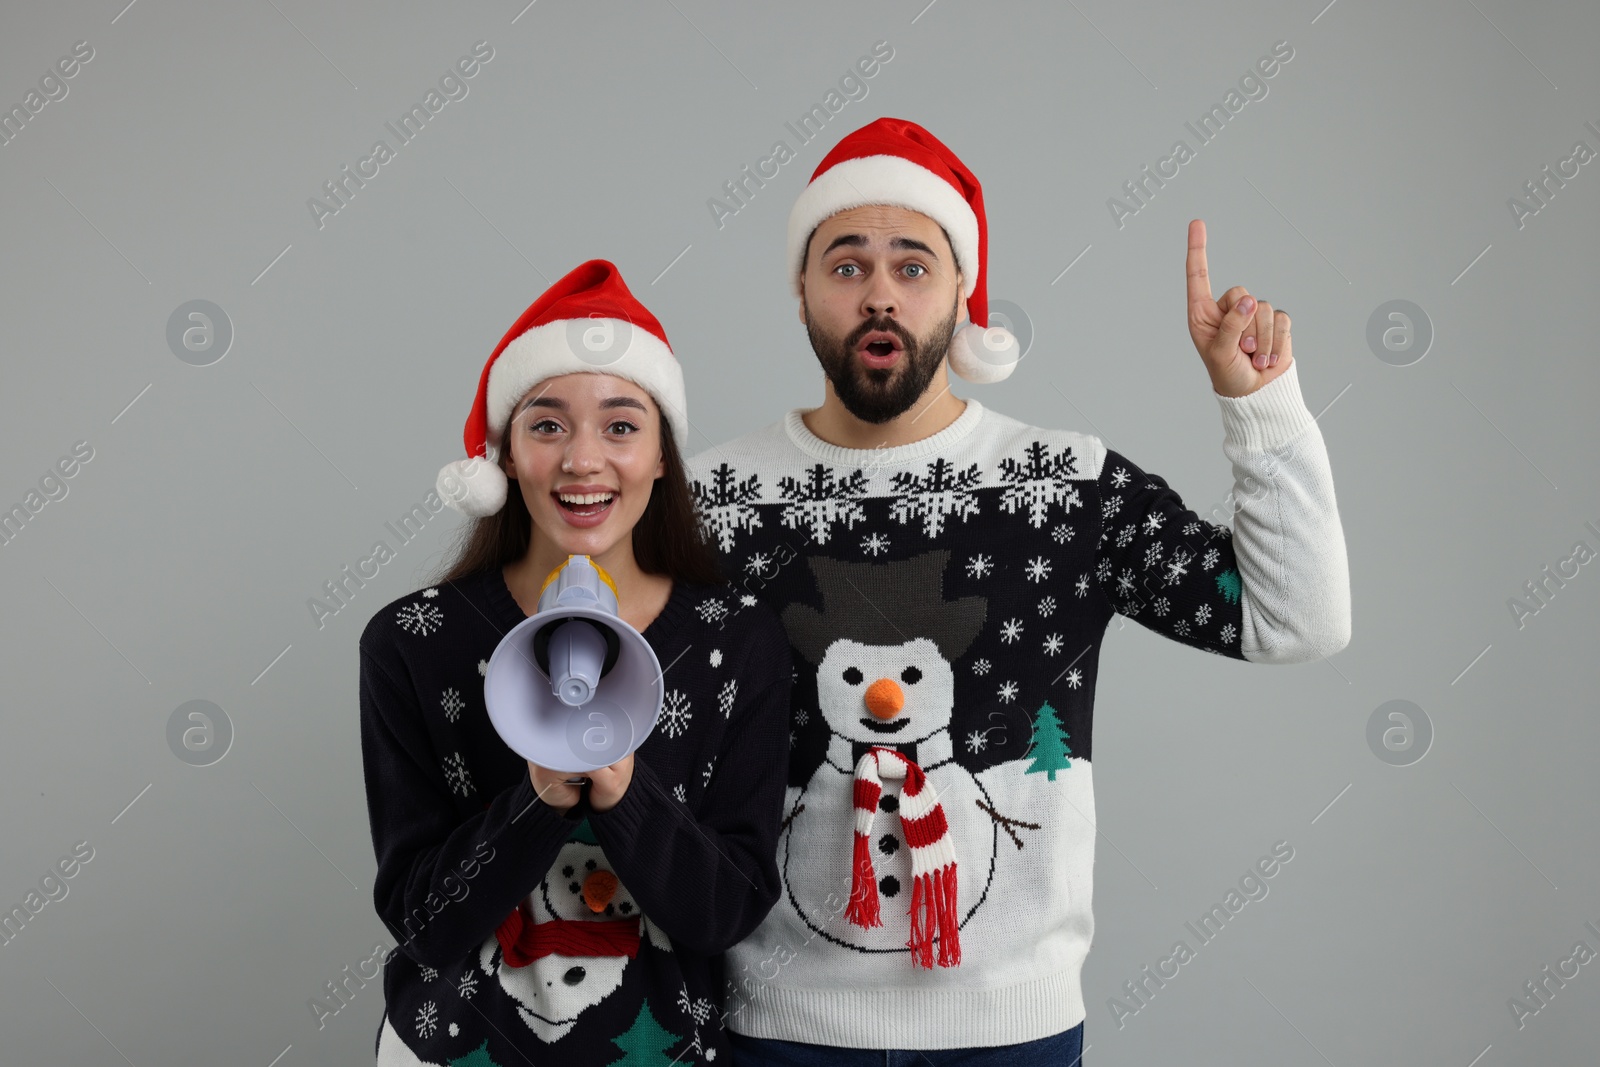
(633, 906)
(948, 598)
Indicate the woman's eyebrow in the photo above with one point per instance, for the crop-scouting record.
(561, 405)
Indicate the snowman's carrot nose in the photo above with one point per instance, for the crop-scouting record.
(598, 889)
(885, 698)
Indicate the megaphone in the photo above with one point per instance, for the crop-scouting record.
(573, 687)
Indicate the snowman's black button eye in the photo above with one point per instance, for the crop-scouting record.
(853, 676)
(574, 975)
(567, 870)
(911, 676)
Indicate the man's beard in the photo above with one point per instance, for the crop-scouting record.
(878, 394)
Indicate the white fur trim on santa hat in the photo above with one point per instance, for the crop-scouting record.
(475, 487)
(571, 346)
(885, 180)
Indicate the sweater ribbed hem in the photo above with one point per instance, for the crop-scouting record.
(1268, 418)
(839, 456)
(915, 1018)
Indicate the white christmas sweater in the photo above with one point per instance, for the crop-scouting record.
(971, 575)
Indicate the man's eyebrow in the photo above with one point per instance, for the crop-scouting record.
(856, 240)
(852, 239)
(912, 243)
(556, 402)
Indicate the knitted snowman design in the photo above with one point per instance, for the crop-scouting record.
(879, 836)
(585, 930)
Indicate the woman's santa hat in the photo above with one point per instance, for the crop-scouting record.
(587, 321)
(896, 162)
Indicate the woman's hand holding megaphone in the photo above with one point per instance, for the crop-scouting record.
(553, 787)
(607, 785)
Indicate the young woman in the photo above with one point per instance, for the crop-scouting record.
(539, 920)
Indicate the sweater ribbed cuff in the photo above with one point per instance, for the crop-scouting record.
(1268, 418)
(535, 820)
(626, 819)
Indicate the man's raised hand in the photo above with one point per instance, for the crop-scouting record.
(1244, 343)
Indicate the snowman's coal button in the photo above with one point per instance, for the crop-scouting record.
(889, 802)
(889, 885)
(888, 844)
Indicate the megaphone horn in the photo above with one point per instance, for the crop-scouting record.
(573, 687)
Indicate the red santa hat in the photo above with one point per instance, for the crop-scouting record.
(896, 162)
(587, 321)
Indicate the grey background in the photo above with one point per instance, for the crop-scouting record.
(220, 898)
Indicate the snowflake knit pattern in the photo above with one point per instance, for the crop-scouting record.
(947, 600)
(530, 936)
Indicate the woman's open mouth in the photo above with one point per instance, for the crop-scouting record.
(589, 507)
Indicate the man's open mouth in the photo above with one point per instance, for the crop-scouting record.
(879, 344)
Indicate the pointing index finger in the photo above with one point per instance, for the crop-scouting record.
(1199, 276)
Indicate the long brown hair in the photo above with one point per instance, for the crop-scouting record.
(668, 538)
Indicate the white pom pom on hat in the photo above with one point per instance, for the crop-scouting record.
(896, 162)
(586, 321)
(475, 486)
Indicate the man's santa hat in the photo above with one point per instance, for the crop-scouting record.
(587, 321)
(896, 162)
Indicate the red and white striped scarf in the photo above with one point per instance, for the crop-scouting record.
(933, 857)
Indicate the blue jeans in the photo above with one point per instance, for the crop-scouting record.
(1059, 1050)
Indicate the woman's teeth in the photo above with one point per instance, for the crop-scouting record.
(585, 503)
